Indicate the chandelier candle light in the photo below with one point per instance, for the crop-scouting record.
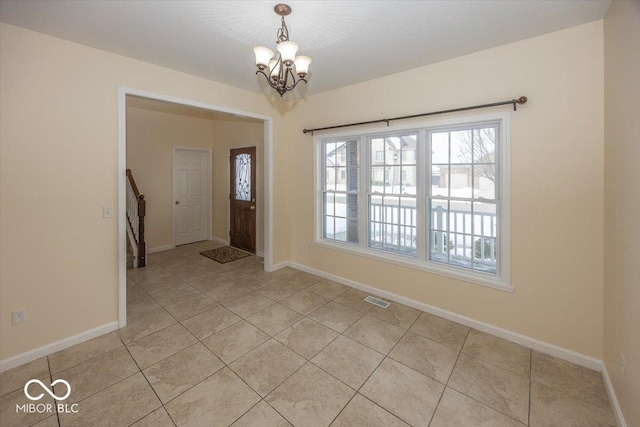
(281, 72)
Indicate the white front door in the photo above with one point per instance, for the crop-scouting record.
(191, 195)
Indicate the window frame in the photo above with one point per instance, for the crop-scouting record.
(497, 200)
(501, 280)
(365, 178)
(322, 192)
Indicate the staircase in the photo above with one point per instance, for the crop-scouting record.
(136, 211)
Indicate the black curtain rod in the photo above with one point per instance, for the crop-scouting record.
(514, 102)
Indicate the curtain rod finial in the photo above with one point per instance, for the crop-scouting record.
(522, 100)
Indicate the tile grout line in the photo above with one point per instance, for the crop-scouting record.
(273, 338)
(146, 415)
(147, 380)
(376, 368)
(84, 361)
(247, 411)
(487, 406)
(333, 420)
(277, 386)
(209, 376)
(198, 293)
(198, 341)
(457, 358)
(148, 383)
(387, 357)
(51, 381)
(491, 363)
(307, 361)
(108, 387)
(340, 333)
(446, 385)
(471, 397)
(162, 405)
(584, 402)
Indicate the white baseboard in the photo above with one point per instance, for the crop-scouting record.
(220, 240)
(617, 410)
(54, 347)
(159, 249)
(552, 349)
(282, 265)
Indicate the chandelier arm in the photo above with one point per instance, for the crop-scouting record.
(293, 77)
(277, 66)
(296, 83)
(266, 77)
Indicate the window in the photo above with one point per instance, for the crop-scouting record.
(392, 205)
(462, 200)
(340, 190)
(429, 197)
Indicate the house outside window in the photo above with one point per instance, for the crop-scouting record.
(340, 191)
(433, 197)
(379, 156)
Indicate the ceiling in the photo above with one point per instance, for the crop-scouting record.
(349, 41)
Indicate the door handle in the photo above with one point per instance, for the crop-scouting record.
(253, 208)
(177, 202)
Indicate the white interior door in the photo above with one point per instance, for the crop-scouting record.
(191, 195)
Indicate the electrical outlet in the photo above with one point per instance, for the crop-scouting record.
(19, 316)
(107, 212)
(623, 366)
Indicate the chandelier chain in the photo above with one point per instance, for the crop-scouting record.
(283, 33)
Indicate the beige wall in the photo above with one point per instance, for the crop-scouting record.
(59, 167)
(151, 136)
(59, 124)
(556, 182)
(622, 203)
(229, 134)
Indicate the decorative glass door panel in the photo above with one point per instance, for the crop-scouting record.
(243, 176)
(242, 195)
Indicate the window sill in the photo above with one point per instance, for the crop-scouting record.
(494, 283)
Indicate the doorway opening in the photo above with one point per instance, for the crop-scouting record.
(196, 174)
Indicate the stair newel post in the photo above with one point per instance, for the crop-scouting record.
(142, 247)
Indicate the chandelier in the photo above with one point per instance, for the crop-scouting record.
(281, 72)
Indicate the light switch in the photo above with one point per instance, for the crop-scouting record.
(107, 212)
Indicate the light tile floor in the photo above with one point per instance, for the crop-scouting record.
(211, 344)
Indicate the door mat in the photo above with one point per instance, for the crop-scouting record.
(225, 254)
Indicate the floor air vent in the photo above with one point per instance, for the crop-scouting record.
(377, 301)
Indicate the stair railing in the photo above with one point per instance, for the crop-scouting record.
(136, 211)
